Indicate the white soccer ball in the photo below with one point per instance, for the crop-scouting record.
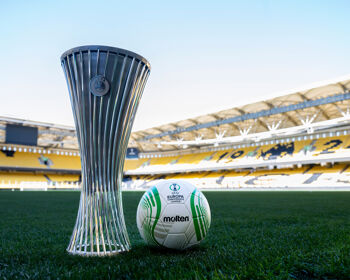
(173, 214)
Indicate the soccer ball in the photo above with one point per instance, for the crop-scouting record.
(173, 214)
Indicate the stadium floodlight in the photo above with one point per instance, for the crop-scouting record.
(105, 86)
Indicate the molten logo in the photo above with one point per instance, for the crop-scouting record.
(176, 219)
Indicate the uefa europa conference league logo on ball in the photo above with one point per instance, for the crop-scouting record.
(174, 187)
(173, 214)
(175, 196)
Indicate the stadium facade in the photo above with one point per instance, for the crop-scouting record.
(300, 139)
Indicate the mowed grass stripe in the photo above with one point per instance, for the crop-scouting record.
(253, 235)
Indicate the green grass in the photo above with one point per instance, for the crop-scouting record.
(254, 235)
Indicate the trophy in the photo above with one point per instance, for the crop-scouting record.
(105, 86)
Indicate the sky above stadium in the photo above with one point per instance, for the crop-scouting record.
(206, 56)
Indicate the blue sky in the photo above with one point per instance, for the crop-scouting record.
(205, 55)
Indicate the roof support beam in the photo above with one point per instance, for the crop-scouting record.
(289, 118)
(318, 107)
(256, 115)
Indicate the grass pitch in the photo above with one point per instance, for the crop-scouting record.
(254, 235)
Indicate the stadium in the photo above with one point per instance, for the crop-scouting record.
(296, 141)
(175, 140)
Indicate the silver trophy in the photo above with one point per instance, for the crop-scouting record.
(105, 86)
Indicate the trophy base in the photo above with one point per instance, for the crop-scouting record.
(85, 251)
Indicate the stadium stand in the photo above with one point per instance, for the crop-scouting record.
(39, 161)
(300, 139)
(296, 140)
(40, 166)
(337, 145)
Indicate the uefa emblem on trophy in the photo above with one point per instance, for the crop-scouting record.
(99, 86)
(105, 86)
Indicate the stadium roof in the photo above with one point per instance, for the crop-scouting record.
(314, 103)
(307, 105)
(49, 135)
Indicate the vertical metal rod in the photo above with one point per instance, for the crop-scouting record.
(105, 86)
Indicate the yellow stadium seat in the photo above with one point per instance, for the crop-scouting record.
(131, 164)
(162, 160)
(36, 160)
(337, 168)
(65, 162)
(6, 178)
(329, 145)
(218, 156)
(193, 158)
(63, 177)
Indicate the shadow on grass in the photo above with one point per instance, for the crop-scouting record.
(140, 251)
(156, 251)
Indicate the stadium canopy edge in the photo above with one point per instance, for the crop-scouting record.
(262, 113)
